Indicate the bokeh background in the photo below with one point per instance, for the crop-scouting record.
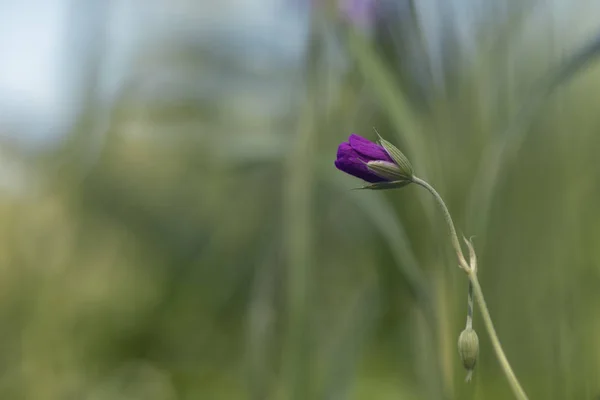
(172, 225)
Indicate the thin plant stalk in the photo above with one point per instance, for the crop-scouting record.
(471, 270)
(453, 236)
(487, 321)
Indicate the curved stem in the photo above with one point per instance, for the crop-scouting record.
(489, 326)
(474, 286)
(454, 237)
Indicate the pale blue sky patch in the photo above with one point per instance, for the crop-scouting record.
(47, 48)
(32, 79)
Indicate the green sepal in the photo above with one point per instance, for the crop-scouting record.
(386, 170)
(400, 159)
(386, 185)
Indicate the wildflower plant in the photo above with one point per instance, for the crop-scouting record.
(384, 166)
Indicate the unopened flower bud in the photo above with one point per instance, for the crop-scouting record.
(381, 164)
(468, 348)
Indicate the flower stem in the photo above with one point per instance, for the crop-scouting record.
(487, 320)
(453, 236)
(475, 287)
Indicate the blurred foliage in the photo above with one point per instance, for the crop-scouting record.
(194, 241)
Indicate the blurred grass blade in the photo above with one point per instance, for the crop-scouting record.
(297, 216)
(390, 96)
(354, 331)
(384, 219)
(504, 148)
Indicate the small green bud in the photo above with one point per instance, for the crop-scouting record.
(468, 348)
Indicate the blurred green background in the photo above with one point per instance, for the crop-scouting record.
(173, 226)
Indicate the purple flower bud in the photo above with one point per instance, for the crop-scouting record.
(353, 156)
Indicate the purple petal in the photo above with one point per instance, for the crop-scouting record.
(350, 162)
(345, 150)
(369, 150)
